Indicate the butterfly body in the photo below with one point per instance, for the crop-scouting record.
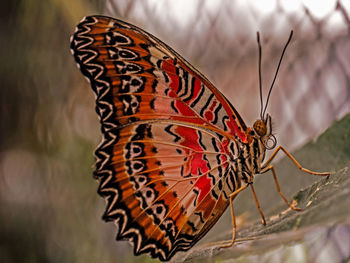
(173, 150)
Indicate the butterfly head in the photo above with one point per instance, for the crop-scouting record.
(263, 129)
(263, 126)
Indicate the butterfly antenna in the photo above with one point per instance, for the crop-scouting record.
(278, 67)
(260, 83)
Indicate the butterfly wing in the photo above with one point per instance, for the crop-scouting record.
(164, 161)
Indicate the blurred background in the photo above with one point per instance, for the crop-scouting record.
(49, 209)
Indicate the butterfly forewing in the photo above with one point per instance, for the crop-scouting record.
(169, 137)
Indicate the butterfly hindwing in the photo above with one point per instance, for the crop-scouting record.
(169, 137)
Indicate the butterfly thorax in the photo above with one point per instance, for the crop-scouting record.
(251, 157)
(252, 153)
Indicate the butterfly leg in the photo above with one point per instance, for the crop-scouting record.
(270, 167)
(266, 167)
(273, 155)
(233, 218)
(263, 221)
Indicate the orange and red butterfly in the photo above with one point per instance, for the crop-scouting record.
(175, 152)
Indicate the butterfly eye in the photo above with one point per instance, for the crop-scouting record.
(260, 128)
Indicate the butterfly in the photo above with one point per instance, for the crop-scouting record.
(175, 152)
